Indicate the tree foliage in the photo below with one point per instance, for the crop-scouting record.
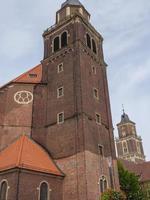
(113, 195)
(129, 184)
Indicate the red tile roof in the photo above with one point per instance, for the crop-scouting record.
(141, 169)
(26, 154)
(32, 76)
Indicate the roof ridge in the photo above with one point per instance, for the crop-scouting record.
(22, 139)
(25, 153)
(45, 151)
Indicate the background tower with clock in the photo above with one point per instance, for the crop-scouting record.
(129, 144)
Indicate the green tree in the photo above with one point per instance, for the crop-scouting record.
(113, 195)
(129, 184)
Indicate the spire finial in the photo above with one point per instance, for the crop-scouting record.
(123, 109)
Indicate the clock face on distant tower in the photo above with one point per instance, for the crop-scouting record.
(23, 97)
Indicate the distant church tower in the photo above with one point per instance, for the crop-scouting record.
(129, 144)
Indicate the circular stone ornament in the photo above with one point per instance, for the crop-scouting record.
(23, 97)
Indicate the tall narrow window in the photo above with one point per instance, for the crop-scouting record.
(88, 40)
(125, 148)
(101, 150)
(111, 176)
(56, 44)
(60, 92)
(64, 39)
(95, 92)
(60, 118)
(3, 190)
(67, 11)
(138, 147)
(60, 68)
(103, 184)
(58, 17)
(94, 46)
(98, 118)
(44, 191)
(93, 69)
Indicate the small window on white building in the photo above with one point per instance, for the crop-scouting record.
(95, 93)
(60, 68)
(60, 92)
(60, 118)
(98, 118)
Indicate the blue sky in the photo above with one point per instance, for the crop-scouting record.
(126, 31)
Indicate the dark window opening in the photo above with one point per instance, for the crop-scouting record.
(88, 40)
(56, 44)
(64, 39)
(101, 151)
(93, 69)
(3, 190)
(96, 93)
(98, 119)
(60, 92)
(103, 184)
(60, 68)
(60, 118)
(32, 75)
(44, 191)
(94, 46)
(111, 177)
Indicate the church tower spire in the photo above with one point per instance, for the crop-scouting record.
(129, 144)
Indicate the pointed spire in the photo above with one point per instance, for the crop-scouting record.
(123, 109)
(124, 117)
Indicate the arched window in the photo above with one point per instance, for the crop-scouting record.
(94, 46)
(64, 39)
(88, 40)
(125, 147)
(103, 184)
(44, 191)
(3, 190)
(56, 44)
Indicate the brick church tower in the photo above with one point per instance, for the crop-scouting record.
(129, 144)
(63, 105)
